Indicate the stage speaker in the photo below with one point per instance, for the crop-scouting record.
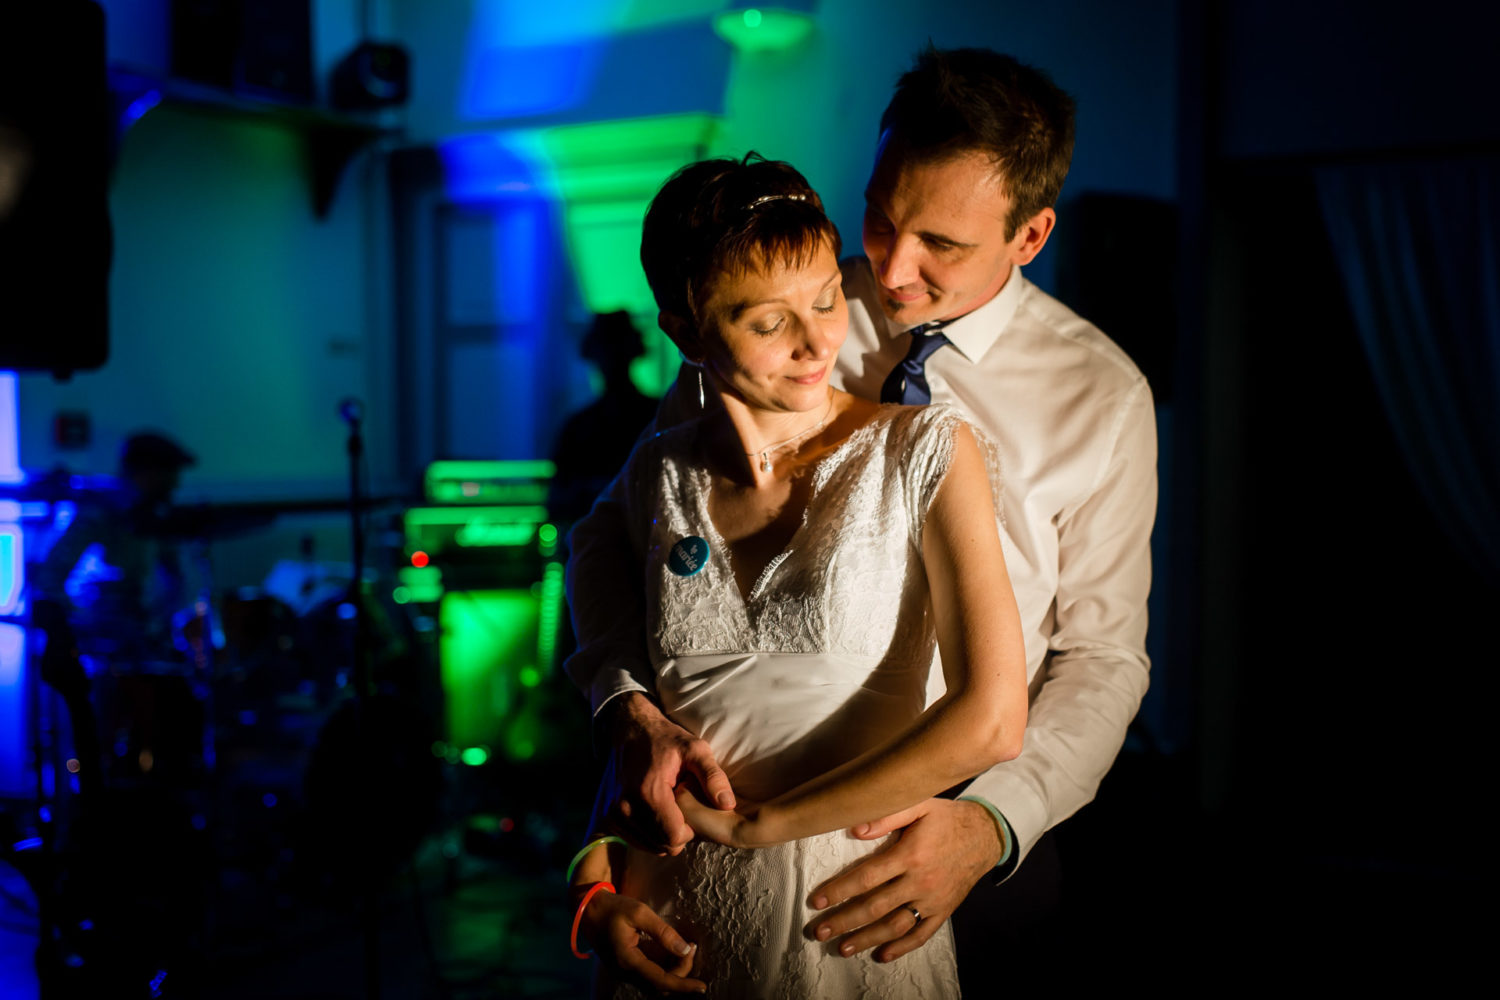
(374, 75)
(55, 241)
(258, 47)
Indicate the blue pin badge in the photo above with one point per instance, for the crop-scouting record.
(688, 556)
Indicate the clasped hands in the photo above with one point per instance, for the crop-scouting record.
(945, 846)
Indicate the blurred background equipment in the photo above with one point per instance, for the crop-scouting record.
(483, 561)
(373, 75)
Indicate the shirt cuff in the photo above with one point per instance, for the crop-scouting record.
(1008, 854)
(611, 682)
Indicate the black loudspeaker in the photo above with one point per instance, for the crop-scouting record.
(261, 47)
(55, 240)
(374, 75)
(1117, 267)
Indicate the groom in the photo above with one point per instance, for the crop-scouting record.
(973, 150)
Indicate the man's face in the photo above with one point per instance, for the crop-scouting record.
(935, 236)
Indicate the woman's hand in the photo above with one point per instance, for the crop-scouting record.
(748, 826)
(639, 943)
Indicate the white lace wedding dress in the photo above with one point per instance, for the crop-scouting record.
(827, 657)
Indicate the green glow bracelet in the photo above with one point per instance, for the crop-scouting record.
(611, 839)
(1007, 839)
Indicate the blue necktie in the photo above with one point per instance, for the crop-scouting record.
(907, 382)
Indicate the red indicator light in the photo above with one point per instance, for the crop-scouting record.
(419, 559)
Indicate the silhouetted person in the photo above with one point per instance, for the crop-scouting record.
(126, 573)
(596, 440)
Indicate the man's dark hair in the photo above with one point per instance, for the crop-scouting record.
(728, 216)
(953, 101)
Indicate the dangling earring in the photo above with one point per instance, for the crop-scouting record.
(697, 367)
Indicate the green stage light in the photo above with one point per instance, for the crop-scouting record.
(546, 537)
(765, 28)
(549, 614)
(474, 756)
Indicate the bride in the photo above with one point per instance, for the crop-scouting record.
(801, 552)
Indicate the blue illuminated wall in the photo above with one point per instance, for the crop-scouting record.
(508, 66)
(13, 729)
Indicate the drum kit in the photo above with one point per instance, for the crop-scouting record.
(165, 751)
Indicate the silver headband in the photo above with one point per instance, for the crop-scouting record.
(773, 197)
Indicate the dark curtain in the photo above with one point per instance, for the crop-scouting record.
(1418, 247)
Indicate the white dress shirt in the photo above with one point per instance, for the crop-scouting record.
(1072, 419)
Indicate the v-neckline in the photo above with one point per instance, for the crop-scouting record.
(820, 474)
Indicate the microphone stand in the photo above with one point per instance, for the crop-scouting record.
(352, 412)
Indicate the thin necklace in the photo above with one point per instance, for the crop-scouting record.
(765, 453)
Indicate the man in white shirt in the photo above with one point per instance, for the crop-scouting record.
(973, 151)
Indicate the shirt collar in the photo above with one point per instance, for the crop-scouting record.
(975, 332)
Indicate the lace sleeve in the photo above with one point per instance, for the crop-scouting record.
(926, 447)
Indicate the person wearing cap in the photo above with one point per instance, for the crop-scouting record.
(595, 441)
(117, 576)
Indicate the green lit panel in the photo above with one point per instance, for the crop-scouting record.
(479, 491)
(475, 482)
(487, 638)
(474, 469)
(420, 517)
(446, 533)
(419, 584)
(480, 534)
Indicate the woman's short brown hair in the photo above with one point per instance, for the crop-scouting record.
(727, 216)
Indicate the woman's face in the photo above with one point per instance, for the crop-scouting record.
(770, 336)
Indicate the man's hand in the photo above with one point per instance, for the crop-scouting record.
(945, 847)
(650, 755)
